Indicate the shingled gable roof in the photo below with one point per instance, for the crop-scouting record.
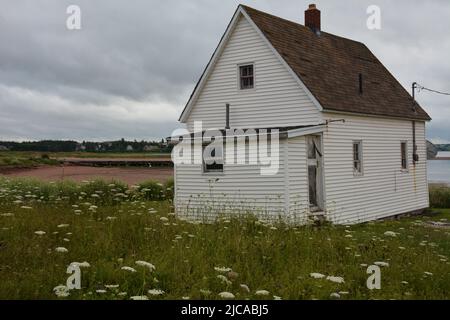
(330, 66)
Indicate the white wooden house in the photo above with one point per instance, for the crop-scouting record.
(351, 139)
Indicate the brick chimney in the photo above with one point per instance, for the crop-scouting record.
(312, 18)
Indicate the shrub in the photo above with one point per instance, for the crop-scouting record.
(151, 190)
(169, 189)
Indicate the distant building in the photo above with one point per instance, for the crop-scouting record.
(150, 148)
(129, 148)
(80, 147)
(3, 148)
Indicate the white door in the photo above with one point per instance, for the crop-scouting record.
(315, 154)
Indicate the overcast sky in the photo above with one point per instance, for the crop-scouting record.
(131, 68)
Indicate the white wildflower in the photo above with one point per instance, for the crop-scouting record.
(7, 214)
(222, 269)
(155, 292)
(100, 291)
(224, 279)
(164, 219)
(139, 298)
(130, 269)
(317, 275)
(205, 292)
(335, 296)
(335, 279)
(61, 291)
(226, 295)
(262, 293)
(63, 225)
(111, 286)
(390, 234)
(146, 264)
(245, 287)
(61, 250)
(40, 233)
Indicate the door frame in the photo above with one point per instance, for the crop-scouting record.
(320, 177)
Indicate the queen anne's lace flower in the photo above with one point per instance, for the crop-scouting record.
(130, 269)
(226, 295)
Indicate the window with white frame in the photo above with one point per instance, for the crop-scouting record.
(404, 154)
(357, 158)
(246, 77)
(213, 158)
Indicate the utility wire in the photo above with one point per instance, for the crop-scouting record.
(431, 90)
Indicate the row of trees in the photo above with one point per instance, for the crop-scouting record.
(87, 146)
(443, 147)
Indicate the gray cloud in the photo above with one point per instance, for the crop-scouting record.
(130, 70)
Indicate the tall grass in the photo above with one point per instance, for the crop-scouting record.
(191, 259)
(24, 160)
(98, 192)
(439, 196)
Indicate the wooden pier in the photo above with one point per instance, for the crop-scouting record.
(118, 162)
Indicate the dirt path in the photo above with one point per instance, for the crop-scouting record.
(81, 173)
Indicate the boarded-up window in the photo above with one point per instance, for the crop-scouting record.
(357, 157)
(404, 152)
(246, 77)
(213, 158)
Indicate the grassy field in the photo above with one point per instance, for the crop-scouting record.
(9, 159)
(111, 227)
(12, 159)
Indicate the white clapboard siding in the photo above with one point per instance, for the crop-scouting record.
(298, 180)
(277, 100)
(384, 189)
(241, 189)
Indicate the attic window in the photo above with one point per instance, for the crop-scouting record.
(246, 77)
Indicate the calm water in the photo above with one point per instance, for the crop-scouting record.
(439, 170)
(443, 154)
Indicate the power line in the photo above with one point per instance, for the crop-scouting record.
(431, 90)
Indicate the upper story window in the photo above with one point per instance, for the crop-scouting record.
(404, 153)
(357, 158)
(246, 77)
